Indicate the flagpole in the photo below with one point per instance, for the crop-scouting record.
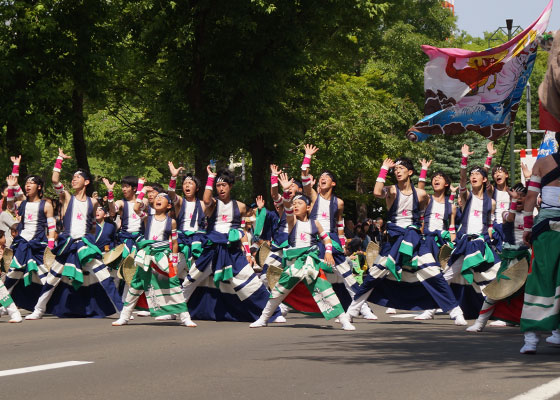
(509, 25)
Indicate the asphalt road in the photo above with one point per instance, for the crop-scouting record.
(306, 358)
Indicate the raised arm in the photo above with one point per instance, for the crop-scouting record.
(509, 215)
(378, 189)
(10, 199)
(110, 197)
(207, 197)
(310, 150)
(286, 183)
(423, 173)
(491, 153)
(140, 193)
(176, 200)
(465, 153)
(59, 187)
(19, 196)
(274, 171)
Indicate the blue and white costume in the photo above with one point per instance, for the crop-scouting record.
(29, 247)
(228, 288)
(473, 263)
(190, 230)
(78, 283)
(405, 274)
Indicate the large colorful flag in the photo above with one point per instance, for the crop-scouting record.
(477, 91)
(548, 145)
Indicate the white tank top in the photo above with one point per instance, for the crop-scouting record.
(404, 210)
(303, 230)
(189, 211)
(134, 220)
(502, 204)
(550, 197)
(31, 219)
(224, 217)
(475, 225)
(436, 216)
(157, 229)
(79, 219)
(324, 213)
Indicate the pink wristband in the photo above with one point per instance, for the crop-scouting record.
(10, 194)
(247, 248)
(464, 162)
(527, 220)
(423, 175)
(488, 162)
(452, 228)
(58, 164)
(174, 258)
(273, 180)
(286, 195)
(342, 240)
(50, 243)
(382, 175)
(140, 186)
(306, 162)
(172, 183)
(328, 248)
(210, 182)
(513, 206)
(15, 169)
(110, 195)
(451, 198)
(140, 196)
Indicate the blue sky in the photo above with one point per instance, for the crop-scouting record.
(477, 16)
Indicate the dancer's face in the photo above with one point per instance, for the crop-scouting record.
(128, 191)
(300, 208)
(402, 173)
(477, 179)
(189, 188)
(223, 189)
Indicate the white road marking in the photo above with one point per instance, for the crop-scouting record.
(43, 367)
(542, 392)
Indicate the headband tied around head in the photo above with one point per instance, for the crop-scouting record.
(301, 197)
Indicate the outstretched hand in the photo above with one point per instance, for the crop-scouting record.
(465, 151)
(260, 202)
(16, 160)
(425, 163)
(285, 182)
(174, 171)
(11, 180)
(310, 149)
(274, 169)
(110, 186)
(490, 148)
(388, 163)
(61, 154)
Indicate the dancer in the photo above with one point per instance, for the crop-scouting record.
(514, 250)
(405, 274)
(190, 214)
(7, 305)
(302, 261)
(29, 245)
(328, 210)
(81, 281)
(473, 263)
(499, 193)
(237, 293)
(156, 268)
(541, 302)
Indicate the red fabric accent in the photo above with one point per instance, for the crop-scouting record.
(300, 299)
(523, 153)
(509, 310)
(534, 152)
(547, 120)
(142, 302)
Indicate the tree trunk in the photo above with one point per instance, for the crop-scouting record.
(78, 139)
(258, 168)
(201, 160)
(13, 146)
